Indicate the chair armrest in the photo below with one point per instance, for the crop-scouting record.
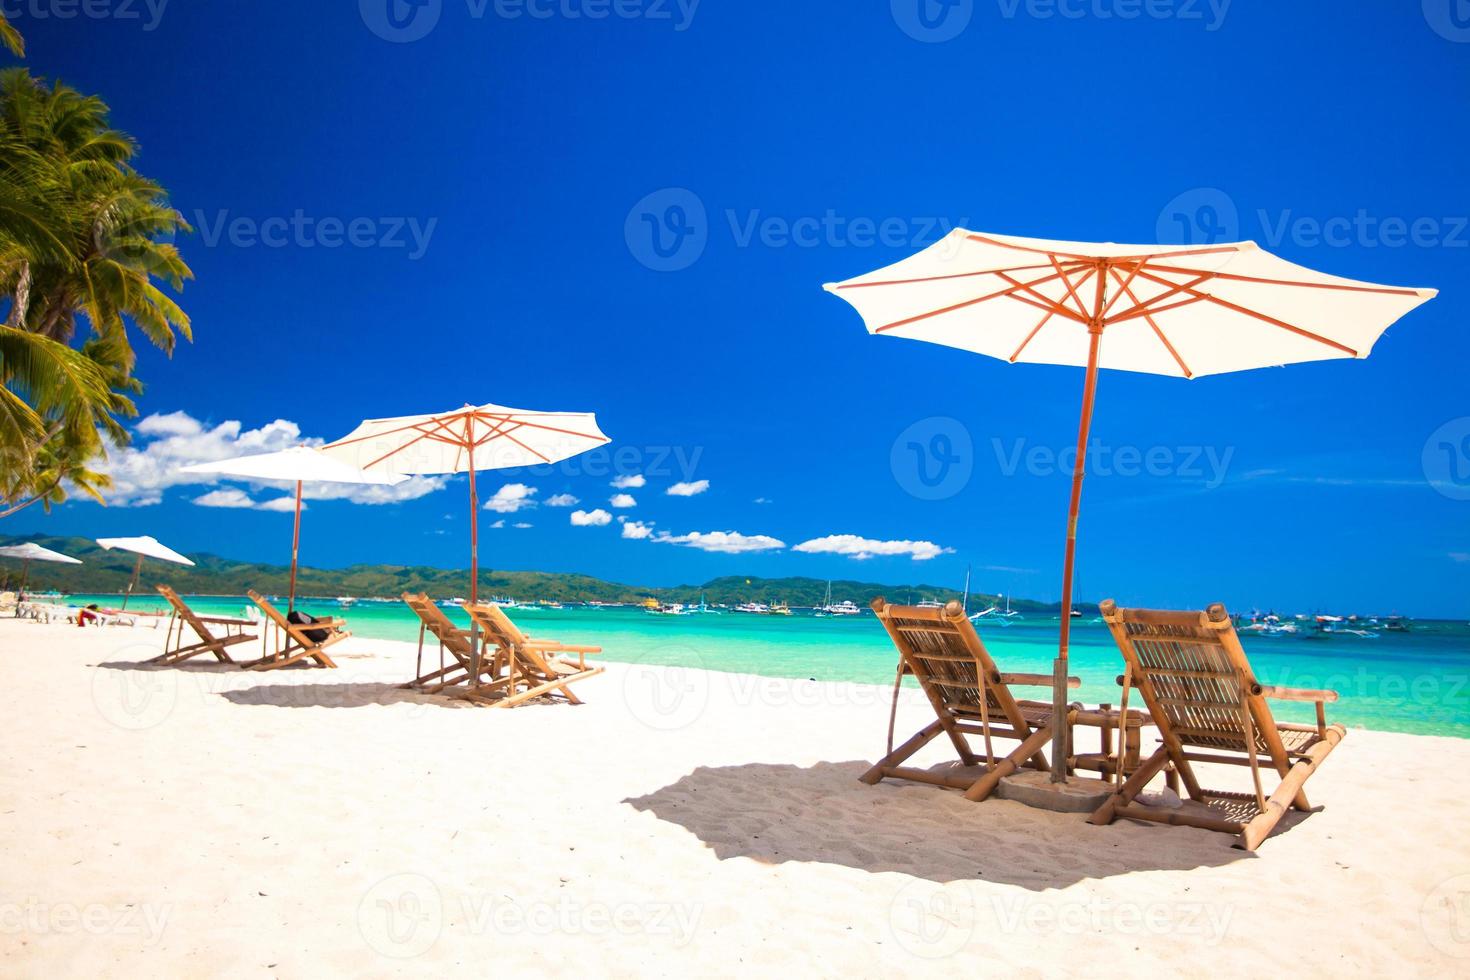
(554, 646)
(225, 621)
(1296, 694)
(1037, 680)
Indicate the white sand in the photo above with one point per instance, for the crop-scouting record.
(208, 822)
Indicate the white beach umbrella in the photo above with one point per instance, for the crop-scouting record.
(29, 552)
(473, 438)
(1183, 311)
(301, 465)
(143, 547)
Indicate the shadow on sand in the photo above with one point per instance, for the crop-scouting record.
(779, 813)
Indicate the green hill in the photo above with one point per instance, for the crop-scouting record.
(109, 571)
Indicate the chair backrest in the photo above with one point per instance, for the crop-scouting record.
(184, 612)
(436, 622)
(497, 625)
(941, 648)
(1193, 674)
(297, 631)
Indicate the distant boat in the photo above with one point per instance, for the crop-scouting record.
(669, 609)
(780, 609)
(346, 601)
(756, 608)
(702, 609)
(844, 608)
(931, 604)
(451, 603)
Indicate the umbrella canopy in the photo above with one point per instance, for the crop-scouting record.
(143, 547)
(29, 552)
(484, 437)
(301, 465)
(1185, 311)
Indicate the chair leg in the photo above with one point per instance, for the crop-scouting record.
(874, 775)
(1134, 785)
(987, 783)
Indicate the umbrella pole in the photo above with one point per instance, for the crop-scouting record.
(474, 575)
(133, 582)
(1060, 749)
(25, 574)
(295, 549)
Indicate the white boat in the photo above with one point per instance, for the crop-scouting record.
(669, 609)
(844, 608)
(345, 601)
(702, 609)
(758, 608)
(452, 603)
(930, 604)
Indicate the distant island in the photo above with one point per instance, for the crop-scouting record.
(107, 572)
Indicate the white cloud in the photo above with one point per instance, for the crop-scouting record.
(162, 443)
(864, 548)
(233, 498)
(761, 500)
(724, 542)
(521, 525)
(511, 498)
(623, 501)
(591, 518)
(562, 500)
(631, 482)
(636, 530)
(498, 525)
(688, 489)
(1460, 556)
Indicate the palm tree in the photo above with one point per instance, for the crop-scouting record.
(10, 37)
(83, 236)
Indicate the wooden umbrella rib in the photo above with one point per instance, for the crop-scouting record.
(1048, 302)
(1148, 318)
(1034, 331)
(967, 303)
(1132, 273)
(1214, 250)
(954, 275)
(1259, 316)
(1340, 287)
(1140, 308)
(1066, 281)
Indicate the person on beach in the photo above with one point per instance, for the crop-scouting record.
(88, 615)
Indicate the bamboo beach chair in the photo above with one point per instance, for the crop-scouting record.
(970, 696)
(1194, 676)
(523, 668)
(452, 638)
(299, 645)
(175, 652)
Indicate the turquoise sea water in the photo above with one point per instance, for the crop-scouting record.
(1416, 682)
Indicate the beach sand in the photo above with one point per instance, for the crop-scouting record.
(211, 822)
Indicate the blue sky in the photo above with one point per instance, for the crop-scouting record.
(495, 173)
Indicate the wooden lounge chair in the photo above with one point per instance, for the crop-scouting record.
(175, 652)
(298, 645)
(524, 668)
(452, 638)
(940, 648)
(1193, 675)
